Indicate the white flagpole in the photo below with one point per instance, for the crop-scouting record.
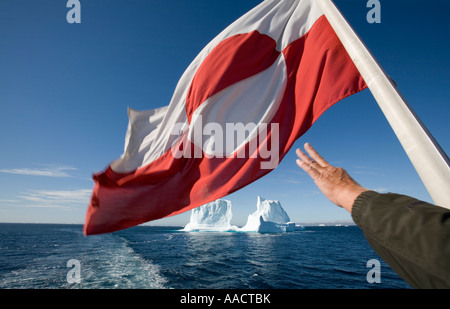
(428, 158)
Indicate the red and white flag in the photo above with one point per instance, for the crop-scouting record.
(236, 111)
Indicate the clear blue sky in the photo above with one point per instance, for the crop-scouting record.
(65, 89)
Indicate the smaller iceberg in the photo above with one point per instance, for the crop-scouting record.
(214, 216)
(269, 217)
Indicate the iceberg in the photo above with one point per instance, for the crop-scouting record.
(214, 216)
(269, 217)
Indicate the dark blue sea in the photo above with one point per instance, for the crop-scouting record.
(40, 256)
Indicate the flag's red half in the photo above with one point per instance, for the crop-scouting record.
(317, 73)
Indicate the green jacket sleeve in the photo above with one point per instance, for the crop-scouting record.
(411, 236)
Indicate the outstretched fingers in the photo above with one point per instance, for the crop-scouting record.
(316, 156)
(334, 182)
(305, 163)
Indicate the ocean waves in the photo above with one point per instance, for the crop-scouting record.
(148, 257)
(42, 252)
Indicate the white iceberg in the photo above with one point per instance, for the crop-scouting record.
(269, 217)
(214, 216)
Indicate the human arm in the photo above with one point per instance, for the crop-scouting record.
(410, 235)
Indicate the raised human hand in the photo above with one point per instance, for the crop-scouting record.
(334, 182)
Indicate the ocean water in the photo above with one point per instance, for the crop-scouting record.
(36, 256)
